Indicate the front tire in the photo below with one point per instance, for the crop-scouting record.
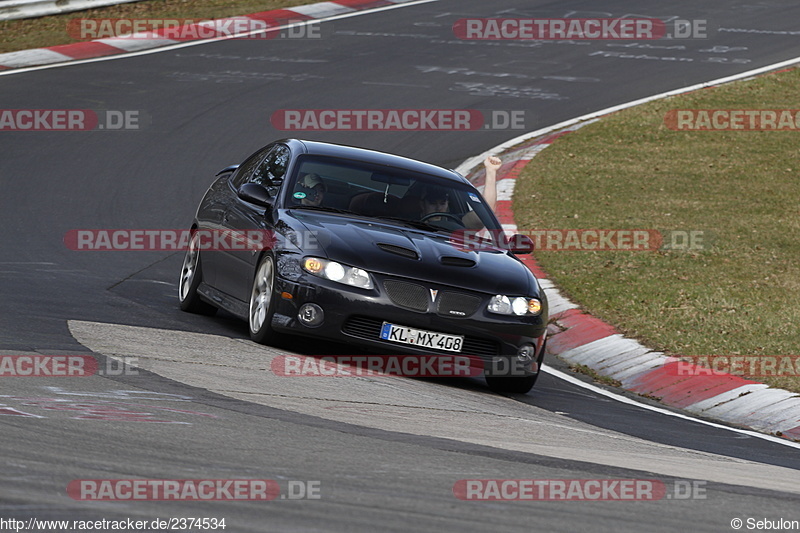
(191, 277)
(517, 384)
(262, 302)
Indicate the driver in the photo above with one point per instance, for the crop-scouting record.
(434, 200)
(434, 206)
(437, 199)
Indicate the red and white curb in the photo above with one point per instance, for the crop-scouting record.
(276, 19)
(580, 338)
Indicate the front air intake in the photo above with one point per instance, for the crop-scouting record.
(398, 250)
(457, 261)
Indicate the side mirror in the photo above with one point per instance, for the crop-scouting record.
(520, 244)
(255, 194)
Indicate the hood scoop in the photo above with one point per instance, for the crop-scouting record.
(457, 261)
(398, 250)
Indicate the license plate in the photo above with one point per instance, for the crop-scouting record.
(421, 338)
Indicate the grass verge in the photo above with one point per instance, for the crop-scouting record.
(736, 296)
(52, 30)
(598, 378)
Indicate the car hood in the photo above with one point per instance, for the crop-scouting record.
(383, 247)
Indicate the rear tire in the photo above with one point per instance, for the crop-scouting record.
(191, 277)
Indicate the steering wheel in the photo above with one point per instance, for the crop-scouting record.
(450, 216)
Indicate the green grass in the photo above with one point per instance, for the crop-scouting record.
(598, 378)
(739, 295)
(50, 31)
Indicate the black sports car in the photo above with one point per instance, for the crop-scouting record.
(376, 250)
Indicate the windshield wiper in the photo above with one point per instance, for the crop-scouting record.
(323, 208)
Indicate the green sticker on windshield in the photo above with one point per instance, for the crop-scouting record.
(299, 195)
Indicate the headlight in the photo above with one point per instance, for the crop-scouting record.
(519, 306)
(355, 277)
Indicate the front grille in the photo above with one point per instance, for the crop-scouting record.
(370, 328)
(407, 295)
(457, 304)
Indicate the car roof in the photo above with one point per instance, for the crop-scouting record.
(372, 156)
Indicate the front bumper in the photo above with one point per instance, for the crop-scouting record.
(356, 316)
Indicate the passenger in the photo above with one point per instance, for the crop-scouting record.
(492, 164)
(310, 190)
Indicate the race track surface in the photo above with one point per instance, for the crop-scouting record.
(386, 451)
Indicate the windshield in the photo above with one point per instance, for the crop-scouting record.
(388, 193)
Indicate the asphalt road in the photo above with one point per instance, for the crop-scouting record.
(386, 452)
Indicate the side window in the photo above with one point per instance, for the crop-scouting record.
(246, 170)
(273, 167)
